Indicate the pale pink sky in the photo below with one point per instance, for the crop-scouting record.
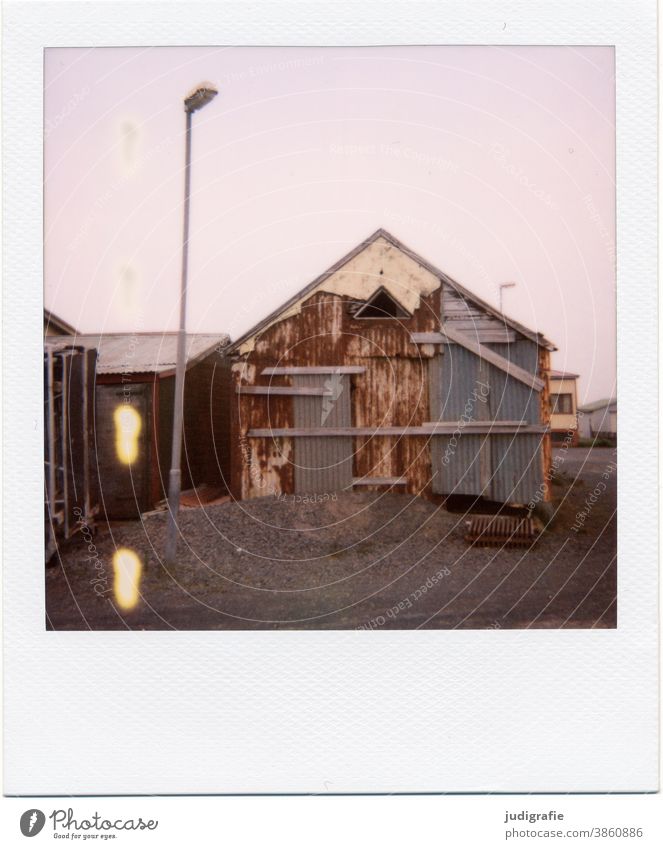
(494, 163)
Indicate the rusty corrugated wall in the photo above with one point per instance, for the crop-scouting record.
(323, 464)
(392, 391)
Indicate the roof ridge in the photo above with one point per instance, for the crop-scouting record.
(534, 335)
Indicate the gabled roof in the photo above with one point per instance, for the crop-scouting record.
(562, 375)
(598, 405)
(56, 326)
(135, 353)
(444, 278)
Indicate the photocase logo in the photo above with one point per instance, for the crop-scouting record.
(32, 822)
(333, 386)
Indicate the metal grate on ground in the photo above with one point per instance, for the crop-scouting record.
(503, 531)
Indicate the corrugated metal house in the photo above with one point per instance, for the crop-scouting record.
(386, 373)
(133, 414)
(564, 407)
(598, 419)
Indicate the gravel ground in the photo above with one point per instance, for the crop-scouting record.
(366, 560)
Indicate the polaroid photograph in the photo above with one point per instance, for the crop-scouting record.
(314, 335)
(424, 433)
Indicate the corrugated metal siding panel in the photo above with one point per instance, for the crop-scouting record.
(517, 469)
(511, 400)
(413, 460)
(435, 387)
(459, 379)
(457, 460)
(323, 464)
(207, 393)
(162, 424)
(392, 391)
(124, 489)
(523, 353)
(513, 461)
(376, 457)
(515, 473)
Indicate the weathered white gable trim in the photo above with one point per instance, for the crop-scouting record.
(379, 265)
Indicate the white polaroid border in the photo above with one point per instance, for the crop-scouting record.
(315, 712)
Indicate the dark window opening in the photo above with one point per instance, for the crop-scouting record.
(562, 403)
(382, 305)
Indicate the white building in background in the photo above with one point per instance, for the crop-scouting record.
(598, 419)
(563, 407)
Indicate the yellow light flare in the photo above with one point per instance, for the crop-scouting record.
(127, 577)
(128, 425)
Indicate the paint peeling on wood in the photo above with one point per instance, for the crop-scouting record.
(380, 264)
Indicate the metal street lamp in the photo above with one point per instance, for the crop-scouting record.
(504, 286)
(202, 95)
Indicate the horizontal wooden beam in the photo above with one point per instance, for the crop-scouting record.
(480, 424)
(283, 390)
(481, 335)
(485, 332)
(262, 432)
(482, 323)
(379, 481)
(431, 338)
(314, 370)
(434, 429)
(496, 336)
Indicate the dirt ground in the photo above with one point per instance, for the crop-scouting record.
(366, 560)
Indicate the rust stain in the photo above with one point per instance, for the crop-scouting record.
(546, 453)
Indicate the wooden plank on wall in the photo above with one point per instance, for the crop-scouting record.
(282, 390)
(486, 336)
(480, 424)
(273, 370)
(432, 338)
(496, 336)
(379, 481)
(433, 429)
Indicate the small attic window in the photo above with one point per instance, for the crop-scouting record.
(381, 305)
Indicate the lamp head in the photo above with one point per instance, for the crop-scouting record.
(200, 97)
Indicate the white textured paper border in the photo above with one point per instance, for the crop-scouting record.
(163, 712)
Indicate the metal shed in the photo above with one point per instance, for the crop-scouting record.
(385, 373)
(133, 413)
(71, 495)
(599, 419)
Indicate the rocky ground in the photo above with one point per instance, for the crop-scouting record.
(366, 560)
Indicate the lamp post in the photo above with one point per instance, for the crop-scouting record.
(202, 95)
(504, 286)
